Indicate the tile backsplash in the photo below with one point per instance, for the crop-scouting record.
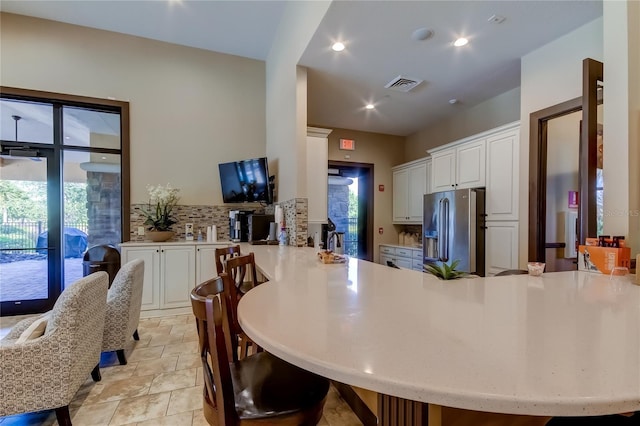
(295, 216)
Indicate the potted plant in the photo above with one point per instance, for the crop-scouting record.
(445, 272)
(159, 215)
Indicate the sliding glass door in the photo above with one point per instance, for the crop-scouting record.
(28, 264)
(62, 191)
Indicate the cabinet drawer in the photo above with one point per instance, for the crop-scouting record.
(404, 252)
(417, 265)
(387, 250)
(417, 255)
(384, 259)
(404, 263)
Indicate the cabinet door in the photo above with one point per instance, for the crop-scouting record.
(206, 263)
(400, 194)
(317, 169)
(417, 187)
(470, 165)
(178, 266)
(501, 247)
(443, 170)
(151, 284)
(502, 176)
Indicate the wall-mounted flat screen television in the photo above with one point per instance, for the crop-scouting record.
(245, 181)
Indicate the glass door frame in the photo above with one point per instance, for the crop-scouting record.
(54, 241)
(55, 180)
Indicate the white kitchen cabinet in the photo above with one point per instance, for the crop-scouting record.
(206, 261)
(502, 175)
(458, 167)
(501, 246)
(401, 256)
(150, 254)
(177, 275)
(317, 174)
(171, 270)
(409, 187)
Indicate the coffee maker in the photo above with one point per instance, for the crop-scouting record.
(239, 225)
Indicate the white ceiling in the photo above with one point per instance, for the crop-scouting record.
(379, 47)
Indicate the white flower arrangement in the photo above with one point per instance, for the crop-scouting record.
(162, 200)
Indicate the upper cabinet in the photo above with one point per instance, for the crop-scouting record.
(502, 175)
(458, 167)
(409, 186)
(317, 173)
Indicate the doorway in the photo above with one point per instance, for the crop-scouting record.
(62, 177)
(590, 186)
(350, 205)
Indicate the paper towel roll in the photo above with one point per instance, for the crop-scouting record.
(208, 234)
(214, 234)
(273, 231)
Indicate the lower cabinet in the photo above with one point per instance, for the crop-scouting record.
(501, 243)
(401, 256)
(171, 270)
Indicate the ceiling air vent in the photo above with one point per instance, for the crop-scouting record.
(403, 84)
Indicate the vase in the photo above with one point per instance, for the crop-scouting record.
(159, 236)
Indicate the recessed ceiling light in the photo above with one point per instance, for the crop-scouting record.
(370, 106)
(453, 101)
(103, 158)
(338, 47)
(67, 137)
(460, 42)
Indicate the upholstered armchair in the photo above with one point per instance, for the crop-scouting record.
(45, 372)
(123, 308)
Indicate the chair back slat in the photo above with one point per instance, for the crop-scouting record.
(213, 288)
(224, 253)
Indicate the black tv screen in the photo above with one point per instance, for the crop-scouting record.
(245, 181)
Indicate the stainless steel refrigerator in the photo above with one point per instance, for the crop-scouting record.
(454, 227)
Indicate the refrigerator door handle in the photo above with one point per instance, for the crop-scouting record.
(443, 231)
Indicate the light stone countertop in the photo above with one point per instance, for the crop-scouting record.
(561, 344)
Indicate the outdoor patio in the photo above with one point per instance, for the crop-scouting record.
(27, 279)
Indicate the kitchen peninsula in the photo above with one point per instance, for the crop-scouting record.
(563, 344)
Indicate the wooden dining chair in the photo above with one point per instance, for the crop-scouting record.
(240, 278)
(260, 389)
(222, 254)
(210, 288)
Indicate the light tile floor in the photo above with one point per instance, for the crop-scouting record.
(160, 385)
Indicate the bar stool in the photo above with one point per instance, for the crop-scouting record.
(241, 274)
(259, 389)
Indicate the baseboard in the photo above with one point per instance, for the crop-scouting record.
(155, 313)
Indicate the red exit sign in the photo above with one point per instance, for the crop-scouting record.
(347, 144)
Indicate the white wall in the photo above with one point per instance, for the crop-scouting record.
(286, 88)
(563, 145)
(550, 75)
(621, 171)
(190, 108)
(492, 113)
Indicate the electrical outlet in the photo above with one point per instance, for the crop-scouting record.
(140, 230)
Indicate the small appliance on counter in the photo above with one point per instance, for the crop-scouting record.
(259, 225)
(239, 225)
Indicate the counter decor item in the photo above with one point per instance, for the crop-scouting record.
(445, 272)
(159, 214)
(159, 236)
(535, 268)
